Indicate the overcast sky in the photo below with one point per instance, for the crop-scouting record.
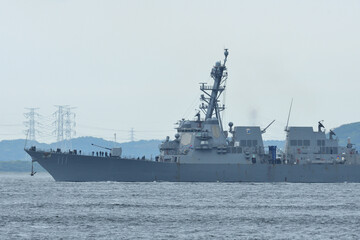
(137, 64)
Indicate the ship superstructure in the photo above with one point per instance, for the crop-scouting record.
(306, 146)
(204, 140)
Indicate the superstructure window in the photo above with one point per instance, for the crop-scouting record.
(322, 150)
(335, 150)
(293, 142)
(306, 143)
(300, 142)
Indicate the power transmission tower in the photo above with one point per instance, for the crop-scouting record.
(59, 123)
(65, 124)
(31, 123)
(70, 124)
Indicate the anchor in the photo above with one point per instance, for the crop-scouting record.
(32, 173)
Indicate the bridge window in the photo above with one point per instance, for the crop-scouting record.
(306, 143)
(248, 143)
(243, 143)
(254, 142)
(293, 142)
(300, 142)
(321, 142)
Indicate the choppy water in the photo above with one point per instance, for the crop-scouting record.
(40, 208)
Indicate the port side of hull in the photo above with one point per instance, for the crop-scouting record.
(77, 168)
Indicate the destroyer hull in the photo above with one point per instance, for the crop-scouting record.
(77, 168)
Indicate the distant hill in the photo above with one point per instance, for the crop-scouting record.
(352, 131)
(13, 149)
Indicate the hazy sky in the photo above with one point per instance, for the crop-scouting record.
(126, 64)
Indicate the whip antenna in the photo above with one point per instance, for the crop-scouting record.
(287, 123)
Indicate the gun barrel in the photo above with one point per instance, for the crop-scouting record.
(101, 146)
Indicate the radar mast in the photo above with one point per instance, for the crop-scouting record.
(212, 93)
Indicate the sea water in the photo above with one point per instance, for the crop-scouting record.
(39, 208)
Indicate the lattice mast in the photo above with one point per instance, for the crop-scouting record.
(212, 93)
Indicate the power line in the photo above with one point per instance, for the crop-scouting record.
(118, 130)
(10, 125)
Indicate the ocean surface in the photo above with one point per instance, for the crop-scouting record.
(40, 208)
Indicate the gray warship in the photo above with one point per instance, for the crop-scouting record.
(202, 151)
